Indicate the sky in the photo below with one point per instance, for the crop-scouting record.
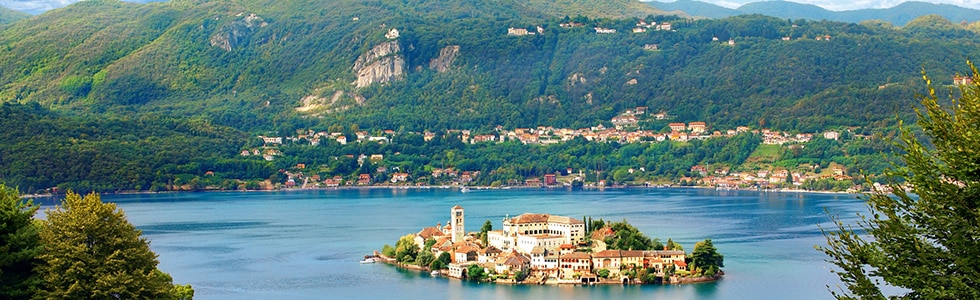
(838, 5)
(38, 6)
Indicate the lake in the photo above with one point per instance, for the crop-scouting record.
(307, 244)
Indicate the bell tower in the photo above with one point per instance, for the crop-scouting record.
(459, 231)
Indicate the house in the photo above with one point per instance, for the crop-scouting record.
(575, 262)
(607, 259)
(550, 179)
(392, 34)
(544, 260)
(664, 26)
(428, 233)
(518, 31)
(399, 177)
(342, 140)
(331, 183)
(630, 259)
(271, 140)
(465, 253)
(511, 263)
(532, 182)
(488, 255)
(601, 30)
(623, 121)
(697, 127)
(677, 126)
(364, 179)
(700, 170)
(831, 135)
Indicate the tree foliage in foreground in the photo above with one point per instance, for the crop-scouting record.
(929, 243)
(92, 252)
(19, 246)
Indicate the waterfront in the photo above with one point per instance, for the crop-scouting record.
(307, 244)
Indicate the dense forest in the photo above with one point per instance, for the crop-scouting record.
(109, 95)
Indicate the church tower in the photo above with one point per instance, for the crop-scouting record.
(456, 217)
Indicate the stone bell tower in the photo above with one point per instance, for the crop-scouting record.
(459, 230)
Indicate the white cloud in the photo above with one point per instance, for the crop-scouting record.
(35, 6)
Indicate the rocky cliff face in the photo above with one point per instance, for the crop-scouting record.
(381, 64)
(446, 57)
(236, 33)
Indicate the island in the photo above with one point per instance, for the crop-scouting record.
(534, 248)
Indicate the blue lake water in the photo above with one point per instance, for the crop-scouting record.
(307, 244)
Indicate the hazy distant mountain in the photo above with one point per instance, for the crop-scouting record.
(9, 15)
(696, 8)
(898, 15)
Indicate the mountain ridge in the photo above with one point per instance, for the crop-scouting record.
(103, 56)
(898, 15)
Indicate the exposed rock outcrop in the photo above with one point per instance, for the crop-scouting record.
(381, 64)
(446, 57)
(231, 35)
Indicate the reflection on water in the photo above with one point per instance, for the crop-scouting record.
(307, 244)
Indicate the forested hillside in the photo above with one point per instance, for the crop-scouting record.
(9, 15)
(245, 68)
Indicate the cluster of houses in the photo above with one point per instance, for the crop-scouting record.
(641, 26)
(625, 129)
(545, 246)
(721, 178)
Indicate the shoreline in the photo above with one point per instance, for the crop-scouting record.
(449, 187)
(557, 282)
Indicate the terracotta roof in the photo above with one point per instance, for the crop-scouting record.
(602, 233)
(631, 253)
(564, 220)
(607, 254)
(567, 246)
(466, 249)
(491, 250)
(576, 255)
(529, 218)
(513, 259)
(680, 263)
(429, 232)
(457, 207)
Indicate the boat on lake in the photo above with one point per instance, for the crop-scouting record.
(370, 259)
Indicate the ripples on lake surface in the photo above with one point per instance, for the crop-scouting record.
(307, 244)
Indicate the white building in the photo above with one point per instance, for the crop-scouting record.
(524, 232)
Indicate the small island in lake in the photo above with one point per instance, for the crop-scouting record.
(548, 249)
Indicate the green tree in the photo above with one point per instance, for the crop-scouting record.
(925, 243)
(425, 258)
(671, 245)
(475, 272)
(92, 251)
(19, 246)
(405, 249)
(707, 258)
(442, 262)
(487, 226)
(602, 273)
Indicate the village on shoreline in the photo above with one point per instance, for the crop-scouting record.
(547, 249)
(633, 126)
